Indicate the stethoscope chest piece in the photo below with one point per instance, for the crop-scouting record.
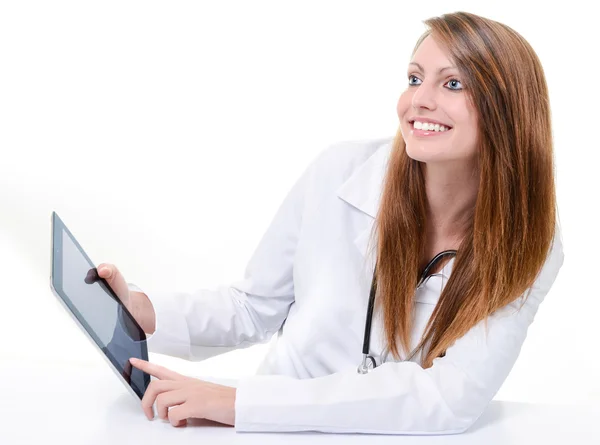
(367, 364)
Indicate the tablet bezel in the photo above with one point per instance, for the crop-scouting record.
(58, 227)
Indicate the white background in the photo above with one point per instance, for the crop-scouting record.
(166, 134)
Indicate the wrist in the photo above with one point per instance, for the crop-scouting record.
(230, 406)
(143, 311)
(225, 407)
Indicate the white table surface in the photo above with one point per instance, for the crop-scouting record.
(44, 401)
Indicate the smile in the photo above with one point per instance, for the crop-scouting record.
(427, 133)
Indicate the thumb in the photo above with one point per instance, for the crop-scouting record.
(104, 272)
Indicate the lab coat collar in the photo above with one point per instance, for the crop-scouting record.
(363, 189)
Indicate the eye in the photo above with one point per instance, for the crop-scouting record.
(411, 77)
(456, 81)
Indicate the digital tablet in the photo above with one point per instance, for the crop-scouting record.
(96, 309)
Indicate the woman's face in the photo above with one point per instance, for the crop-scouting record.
(433, 95)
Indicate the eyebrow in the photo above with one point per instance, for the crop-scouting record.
(439, 71)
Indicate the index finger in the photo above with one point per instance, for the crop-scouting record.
(157, 371)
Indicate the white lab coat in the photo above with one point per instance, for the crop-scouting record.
(308, 281)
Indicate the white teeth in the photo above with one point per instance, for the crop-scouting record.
(429, 126)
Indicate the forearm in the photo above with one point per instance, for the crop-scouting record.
(199, 324)
(143, 311)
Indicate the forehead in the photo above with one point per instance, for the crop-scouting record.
(430, 55)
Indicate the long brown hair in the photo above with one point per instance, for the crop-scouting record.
(513, 221)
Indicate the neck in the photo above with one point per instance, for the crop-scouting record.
(451, 194)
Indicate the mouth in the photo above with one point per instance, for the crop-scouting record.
(428, 133)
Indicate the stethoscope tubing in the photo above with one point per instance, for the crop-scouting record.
(367, 360)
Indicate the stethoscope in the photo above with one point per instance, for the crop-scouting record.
(368, 362)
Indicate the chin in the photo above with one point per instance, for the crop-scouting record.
(426, 155)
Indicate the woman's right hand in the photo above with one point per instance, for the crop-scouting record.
(115, 280)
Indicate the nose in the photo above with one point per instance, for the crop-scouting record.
(424, 97)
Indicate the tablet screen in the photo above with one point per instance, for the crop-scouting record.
(97, 309)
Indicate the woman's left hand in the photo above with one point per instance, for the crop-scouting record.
(179, 397)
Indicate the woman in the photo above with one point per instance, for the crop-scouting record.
(470, 173)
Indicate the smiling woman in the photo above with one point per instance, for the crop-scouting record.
(468, 186)
(470, 170)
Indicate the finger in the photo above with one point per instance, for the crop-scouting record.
(169, 399)
(155, 388)
(160, 372)
(178, 415)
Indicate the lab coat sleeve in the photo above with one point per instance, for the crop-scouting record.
(206, 322)
(401, 397)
